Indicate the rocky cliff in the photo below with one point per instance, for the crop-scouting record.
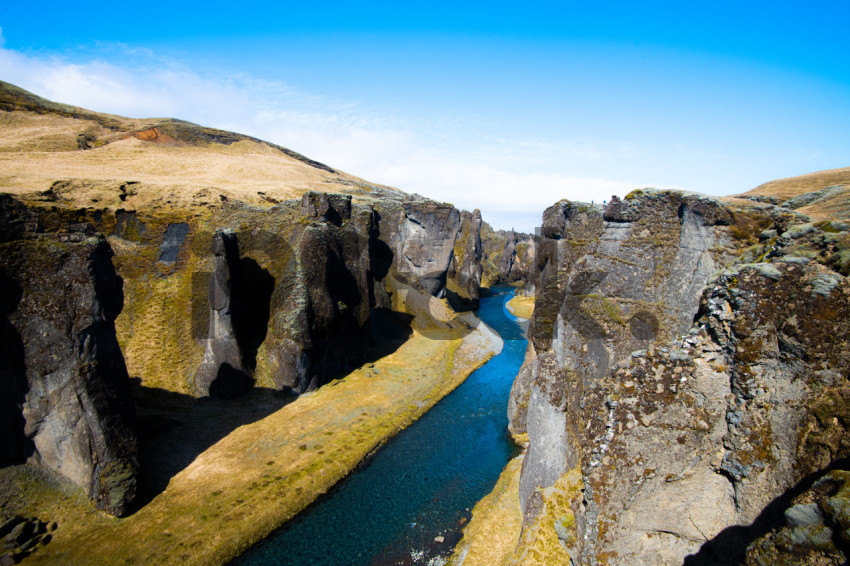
(206, 302)
(673, 415)
(282, 297)
(67, 403)
(307, 258)
(212, 292)
(509, 257)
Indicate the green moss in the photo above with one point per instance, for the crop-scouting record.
(601, 306)
(544, 540)
(840, 261)
(827, 226)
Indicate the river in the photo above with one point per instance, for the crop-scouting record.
(422, 483)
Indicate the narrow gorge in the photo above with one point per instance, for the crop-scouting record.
(205, 335)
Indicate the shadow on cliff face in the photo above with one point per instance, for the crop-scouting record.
(252, 293)
(250, 299)
(174, 429)
(388, 331)
(380, 255)
(236, 299)
(460, 303)
(15, 448)
(578, 315)
(730, 545)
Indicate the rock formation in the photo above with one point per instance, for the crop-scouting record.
(464, 274)
(654, 439)
(320, 320)
(613, 280)
(69, 404)
(286, 302)
(509, 257)
(222, 373)
(421, 236)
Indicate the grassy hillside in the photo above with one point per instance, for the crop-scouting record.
(829, 205)
(168, 161)
(793, 186)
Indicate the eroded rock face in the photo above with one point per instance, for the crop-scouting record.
(421, 236)
(614, 280)
(509, 257)
(464, 274)
(223, 372)
(70, 407)
(294, 287)
(684, 450)
(348, 260)
(688, 448)
(326, 333)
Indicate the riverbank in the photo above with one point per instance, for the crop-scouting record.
(521, 306)
(408, 504)
(490, 537)
(261, 474)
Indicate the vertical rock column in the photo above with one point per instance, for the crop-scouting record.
(222, 373)
(70, 406)
(464, 274)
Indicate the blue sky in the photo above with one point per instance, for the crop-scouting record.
(501, 106)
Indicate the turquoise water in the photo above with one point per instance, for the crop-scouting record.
(422, 482)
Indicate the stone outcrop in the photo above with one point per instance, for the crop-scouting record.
(327, 265)
(683, 450)
(420, 236)
(509, 257)
(223, 372)
(320, 323)
(282, 297)
(464, 274)
(614, 279)
(654, 439)
(67, 403)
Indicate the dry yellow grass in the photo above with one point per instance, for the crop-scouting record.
(262, 474)
(836, 207)
(540, 543)
(38, 149)
(793, 186)
(521, 306)
(491, 536)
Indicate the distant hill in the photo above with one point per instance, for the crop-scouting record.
(824, 195)
(176, 162)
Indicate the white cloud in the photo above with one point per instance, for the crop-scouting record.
(404, 151)
(139, 92)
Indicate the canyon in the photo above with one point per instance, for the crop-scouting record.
(203, 333)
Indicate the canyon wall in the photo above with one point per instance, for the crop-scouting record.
(282, 297)
(509, 257)
(211, 300)
(67, 402)
(674, 410)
